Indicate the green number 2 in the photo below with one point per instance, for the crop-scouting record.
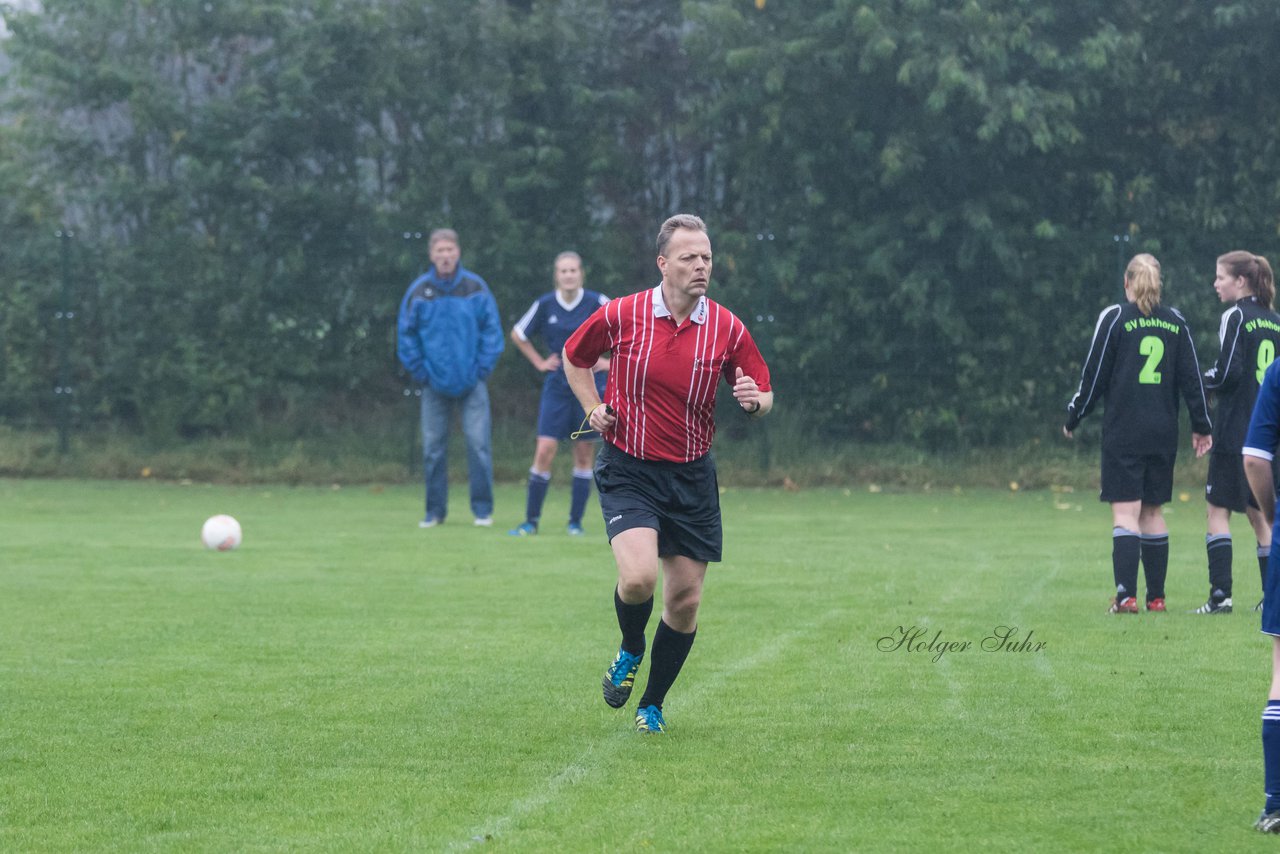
(1266, 355)
(1153, 348)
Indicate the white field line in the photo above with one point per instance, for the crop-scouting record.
(592, 759)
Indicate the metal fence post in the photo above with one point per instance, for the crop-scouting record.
(764, 237)
(1121, 241)
(64, 315)
(410, 391)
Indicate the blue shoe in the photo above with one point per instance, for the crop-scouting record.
(619, 678)
(649, 720)
(574, 529)
(526, 529)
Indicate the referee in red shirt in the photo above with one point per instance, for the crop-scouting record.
(655, 474)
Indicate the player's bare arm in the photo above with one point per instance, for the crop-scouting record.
(550, 363)
(582, 382)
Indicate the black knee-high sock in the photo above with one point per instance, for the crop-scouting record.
(632, 619)
(1125, 551)
(1155, 563)
(670, 649)
(1218, 547)
(1264, 555)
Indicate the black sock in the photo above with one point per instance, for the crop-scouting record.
(1125, 550)
(670, 649)
(1218, 547)
(632, 619)
(1155, 563)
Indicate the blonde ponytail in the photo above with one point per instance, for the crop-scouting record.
(1143, 278)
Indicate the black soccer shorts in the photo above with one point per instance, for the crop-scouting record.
(681, 501)
(1137, 477)
(1227, 485)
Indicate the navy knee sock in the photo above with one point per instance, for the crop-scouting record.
(1271, 753)
(579, 495)
(538, 483)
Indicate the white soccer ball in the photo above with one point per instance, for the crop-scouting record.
(221, 533)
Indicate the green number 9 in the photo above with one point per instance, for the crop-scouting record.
(1266, 355)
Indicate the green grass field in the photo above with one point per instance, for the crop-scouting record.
(345, 681)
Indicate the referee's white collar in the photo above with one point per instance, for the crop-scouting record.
(698, 315)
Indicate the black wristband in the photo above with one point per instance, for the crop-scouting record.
(752, 411)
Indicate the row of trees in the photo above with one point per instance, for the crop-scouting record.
(929, 198)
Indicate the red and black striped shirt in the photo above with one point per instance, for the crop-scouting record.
(663, 377)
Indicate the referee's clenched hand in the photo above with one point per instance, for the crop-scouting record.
(746, 392)
(602, 418)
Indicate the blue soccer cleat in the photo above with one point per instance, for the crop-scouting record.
(526, 529)
(574, 529)
(619, 678)
(649, 720)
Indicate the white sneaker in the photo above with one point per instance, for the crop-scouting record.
(484, 521)
(428, 523)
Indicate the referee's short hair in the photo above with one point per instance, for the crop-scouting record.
(687, 221)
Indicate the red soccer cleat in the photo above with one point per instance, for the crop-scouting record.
(1127, 605)
(1156, 604)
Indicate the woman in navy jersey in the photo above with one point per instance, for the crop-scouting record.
(553, 317)
(1141, 359)
(1248, 338)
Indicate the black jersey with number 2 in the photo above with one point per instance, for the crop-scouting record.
(1248, 338)
(1140, 365)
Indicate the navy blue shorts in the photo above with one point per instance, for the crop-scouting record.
(1226, 485)
(559, 413)
(1271, 592)
(1137, 477)
(681, 501)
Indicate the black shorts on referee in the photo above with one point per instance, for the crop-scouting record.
(681, 501)
(1226, 486)
(1137, 477)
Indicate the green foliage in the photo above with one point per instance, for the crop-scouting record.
(918, 207)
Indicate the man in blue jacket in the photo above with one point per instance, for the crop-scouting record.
(449, 338)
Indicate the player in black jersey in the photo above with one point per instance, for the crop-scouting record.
(1141, 358)
(1249, 338)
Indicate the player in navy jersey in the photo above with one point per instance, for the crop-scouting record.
(554, 317)
(1140, 360)
(1248, 337)
(1260, 447)
(655, 475)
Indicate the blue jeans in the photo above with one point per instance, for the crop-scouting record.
(437, 411)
